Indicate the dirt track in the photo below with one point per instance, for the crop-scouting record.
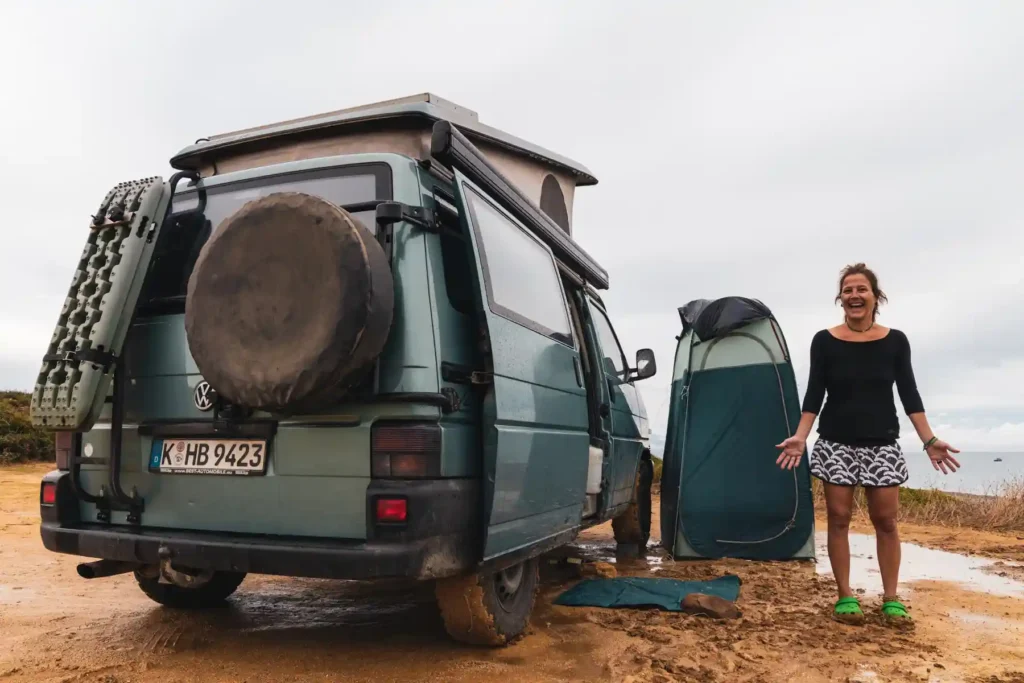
(55, 626)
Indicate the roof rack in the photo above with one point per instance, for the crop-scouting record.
(452, 148)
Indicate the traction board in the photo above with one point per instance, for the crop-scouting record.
(77, 368)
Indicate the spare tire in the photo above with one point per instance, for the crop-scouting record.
(289, 304)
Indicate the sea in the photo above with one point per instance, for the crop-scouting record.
(981, 472)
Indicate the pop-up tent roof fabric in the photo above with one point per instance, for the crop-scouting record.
(709, 319)
(734, 397)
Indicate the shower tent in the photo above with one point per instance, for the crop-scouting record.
(734, 397)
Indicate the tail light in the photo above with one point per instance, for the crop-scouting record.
(63, 443)
(405, 451)
(48, 493)
(392, 510)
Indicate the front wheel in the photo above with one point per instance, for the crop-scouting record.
(634, 525)
(489, 608)
(209, 590)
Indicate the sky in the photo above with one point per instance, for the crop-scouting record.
(742, 148)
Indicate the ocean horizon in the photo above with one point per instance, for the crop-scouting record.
(981, 472)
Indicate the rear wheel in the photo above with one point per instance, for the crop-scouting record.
(490, 608)
(634, 525)
(210, 589)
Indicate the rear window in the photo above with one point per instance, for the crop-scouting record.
(355, 188)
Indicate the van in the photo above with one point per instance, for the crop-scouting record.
(362, 345)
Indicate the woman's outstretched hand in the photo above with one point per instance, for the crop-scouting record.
(792, 450)
(939, 454)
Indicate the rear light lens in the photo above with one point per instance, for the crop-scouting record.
(405, 451)
(392, 510)
(48, 494)
(62, 447)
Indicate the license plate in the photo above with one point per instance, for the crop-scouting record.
(209, 456)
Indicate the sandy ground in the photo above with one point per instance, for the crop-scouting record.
(969, 614)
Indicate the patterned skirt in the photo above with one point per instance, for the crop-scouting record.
(843, 465)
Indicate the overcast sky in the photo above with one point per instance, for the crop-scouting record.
(742, 149)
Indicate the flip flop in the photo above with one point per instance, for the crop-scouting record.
(895, 611)
(848, 611)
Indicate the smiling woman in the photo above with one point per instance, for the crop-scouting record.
(856, 364)
(860, 295)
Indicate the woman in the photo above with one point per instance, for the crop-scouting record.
(856, 364)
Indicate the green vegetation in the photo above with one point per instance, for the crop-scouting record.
(19, 440)
(1001, 510)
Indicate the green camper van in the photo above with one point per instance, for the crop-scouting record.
(361, 345)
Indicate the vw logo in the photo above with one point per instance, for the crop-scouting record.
(203, 396)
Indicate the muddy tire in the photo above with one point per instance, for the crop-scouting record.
(213, 593)
(634, 525)
(490, 609)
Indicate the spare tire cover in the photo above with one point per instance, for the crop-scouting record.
(288, 304)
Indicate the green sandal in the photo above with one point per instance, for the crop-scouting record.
(895, 611)
(847, 611)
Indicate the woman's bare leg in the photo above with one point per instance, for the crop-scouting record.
(883, 506)
(839, 503)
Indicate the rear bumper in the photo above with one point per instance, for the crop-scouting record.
(441, 542)
(422, 559)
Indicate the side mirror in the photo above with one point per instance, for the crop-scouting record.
(645, 364)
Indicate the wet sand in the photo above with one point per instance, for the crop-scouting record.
(969, 611)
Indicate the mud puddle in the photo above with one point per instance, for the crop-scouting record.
(918, 563)
(651, 559)
(281, 605)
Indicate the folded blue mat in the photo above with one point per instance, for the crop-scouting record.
(636, 591)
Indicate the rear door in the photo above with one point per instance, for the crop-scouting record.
(535, 409)
(313, 478)
(621, 423)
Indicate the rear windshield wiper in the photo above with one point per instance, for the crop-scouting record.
(162, 305)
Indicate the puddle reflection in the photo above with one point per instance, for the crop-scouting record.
(919, 564)
(651, 559)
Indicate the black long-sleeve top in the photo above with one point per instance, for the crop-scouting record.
(858, 377)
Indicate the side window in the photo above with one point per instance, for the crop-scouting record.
(458, 271)
(521, 280)
(612, 358)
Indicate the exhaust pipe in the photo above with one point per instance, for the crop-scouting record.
(102, 568)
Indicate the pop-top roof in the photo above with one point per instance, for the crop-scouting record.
(426, 106)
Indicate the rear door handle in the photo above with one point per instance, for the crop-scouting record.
(579, 372)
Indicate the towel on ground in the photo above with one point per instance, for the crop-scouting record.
(637, 591)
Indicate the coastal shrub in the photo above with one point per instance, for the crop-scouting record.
(19, 440)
